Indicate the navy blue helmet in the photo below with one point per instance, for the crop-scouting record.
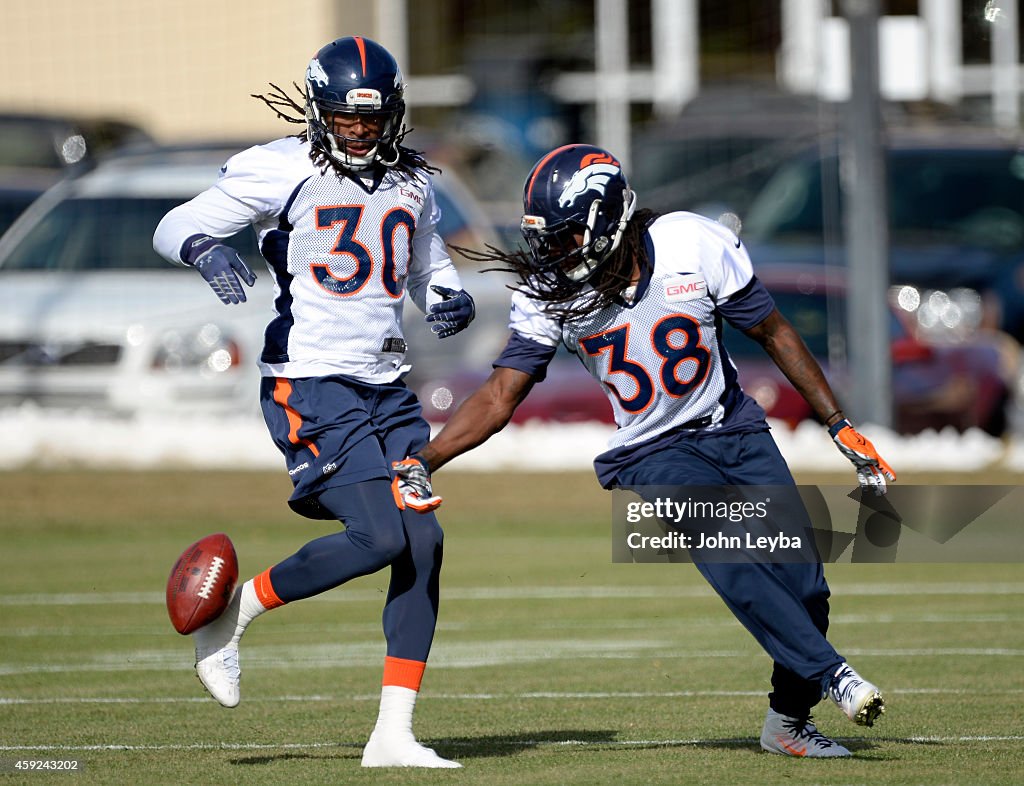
(355, 76)
(576, 205)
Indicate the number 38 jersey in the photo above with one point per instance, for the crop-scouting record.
(342, 251)
(661, 359)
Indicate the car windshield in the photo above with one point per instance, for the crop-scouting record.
(111, 233)
(971, 198)
(12, 205)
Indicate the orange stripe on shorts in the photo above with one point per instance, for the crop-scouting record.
(283, 392)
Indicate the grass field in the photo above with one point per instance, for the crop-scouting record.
(551, 665)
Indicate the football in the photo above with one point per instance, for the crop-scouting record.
(201, 582)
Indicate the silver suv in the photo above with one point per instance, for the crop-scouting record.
(91, 316)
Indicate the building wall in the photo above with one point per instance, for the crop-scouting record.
(184, 69)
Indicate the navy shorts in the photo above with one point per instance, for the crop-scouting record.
(336, 430)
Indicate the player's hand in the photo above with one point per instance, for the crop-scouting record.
(872, 469)
(221, 266)
(411, 486)
(454, 313)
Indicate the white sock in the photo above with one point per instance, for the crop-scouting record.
(228, 628)
(396, 707)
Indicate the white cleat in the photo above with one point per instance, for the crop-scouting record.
(217, 656)
(856, 697)
(220, 674)
(401, 750)
(798, 737)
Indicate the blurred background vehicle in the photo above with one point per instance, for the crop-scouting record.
(36, 150)
(963, 383)
(708, 105)
(956, 222)
(91, 316)
(723, 148)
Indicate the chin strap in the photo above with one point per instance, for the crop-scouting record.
(603, 247)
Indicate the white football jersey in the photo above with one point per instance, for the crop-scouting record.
(346, 254)
(660, 359)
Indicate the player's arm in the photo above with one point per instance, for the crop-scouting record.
(748, 306)
(788, 351)
(522, 363)
(192, 234)
(486, 412)
(433, 282)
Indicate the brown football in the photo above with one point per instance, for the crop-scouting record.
(201, 582)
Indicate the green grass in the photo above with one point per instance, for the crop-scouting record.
(551, 665)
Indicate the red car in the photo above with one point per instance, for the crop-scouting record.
(935, 385)
(963, 383)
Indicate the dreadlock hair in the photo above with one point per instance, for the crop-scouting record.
(566, 302)
(410, 162)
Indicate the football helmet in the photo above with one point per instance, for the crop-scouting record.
(576, 205)
(355, 76)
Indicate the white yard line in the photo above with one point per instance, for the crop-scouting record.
(540, 593)
(532, 695)
(459, 655)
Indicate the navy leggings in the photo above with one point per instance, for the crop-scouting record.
(376, 534)
(783, 605)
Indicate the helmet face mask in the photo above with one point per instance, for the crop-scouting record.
(577, 204)
(348, 79)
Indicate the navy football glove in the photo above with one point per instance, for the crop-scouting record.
(411, 486)
(221, 266)
(454, 313)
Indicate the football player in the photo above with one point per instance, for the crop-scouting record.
(347, 218)
(638, 297)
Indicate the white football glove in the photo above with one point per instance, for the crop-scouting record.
(411, 486)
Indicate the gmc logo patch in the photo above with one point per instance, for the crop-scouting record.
(688, 287)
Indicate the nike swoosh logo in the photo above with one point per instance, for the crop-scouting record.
(790, 748)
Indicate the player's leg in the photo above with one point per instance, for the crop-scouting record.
(772, 604)
(324, 430)
(409, 619)
(795, 694)
(373, 537)
(758, 596)
(410, 613)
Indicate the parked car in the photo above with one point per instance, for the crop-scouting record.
(966, 383)
(956, 216)
(91, 316)
(724, 146)
(36, 150)
(935, 385)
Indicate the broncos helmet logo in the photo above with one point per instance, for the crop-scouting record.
(588, 178)
(315, 73)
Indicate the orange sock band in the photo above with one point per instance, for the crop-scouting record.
(403, 673)
(265, 591)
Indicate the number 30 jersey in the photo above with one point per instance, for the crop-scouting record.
(343, 251)
(660, 357)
